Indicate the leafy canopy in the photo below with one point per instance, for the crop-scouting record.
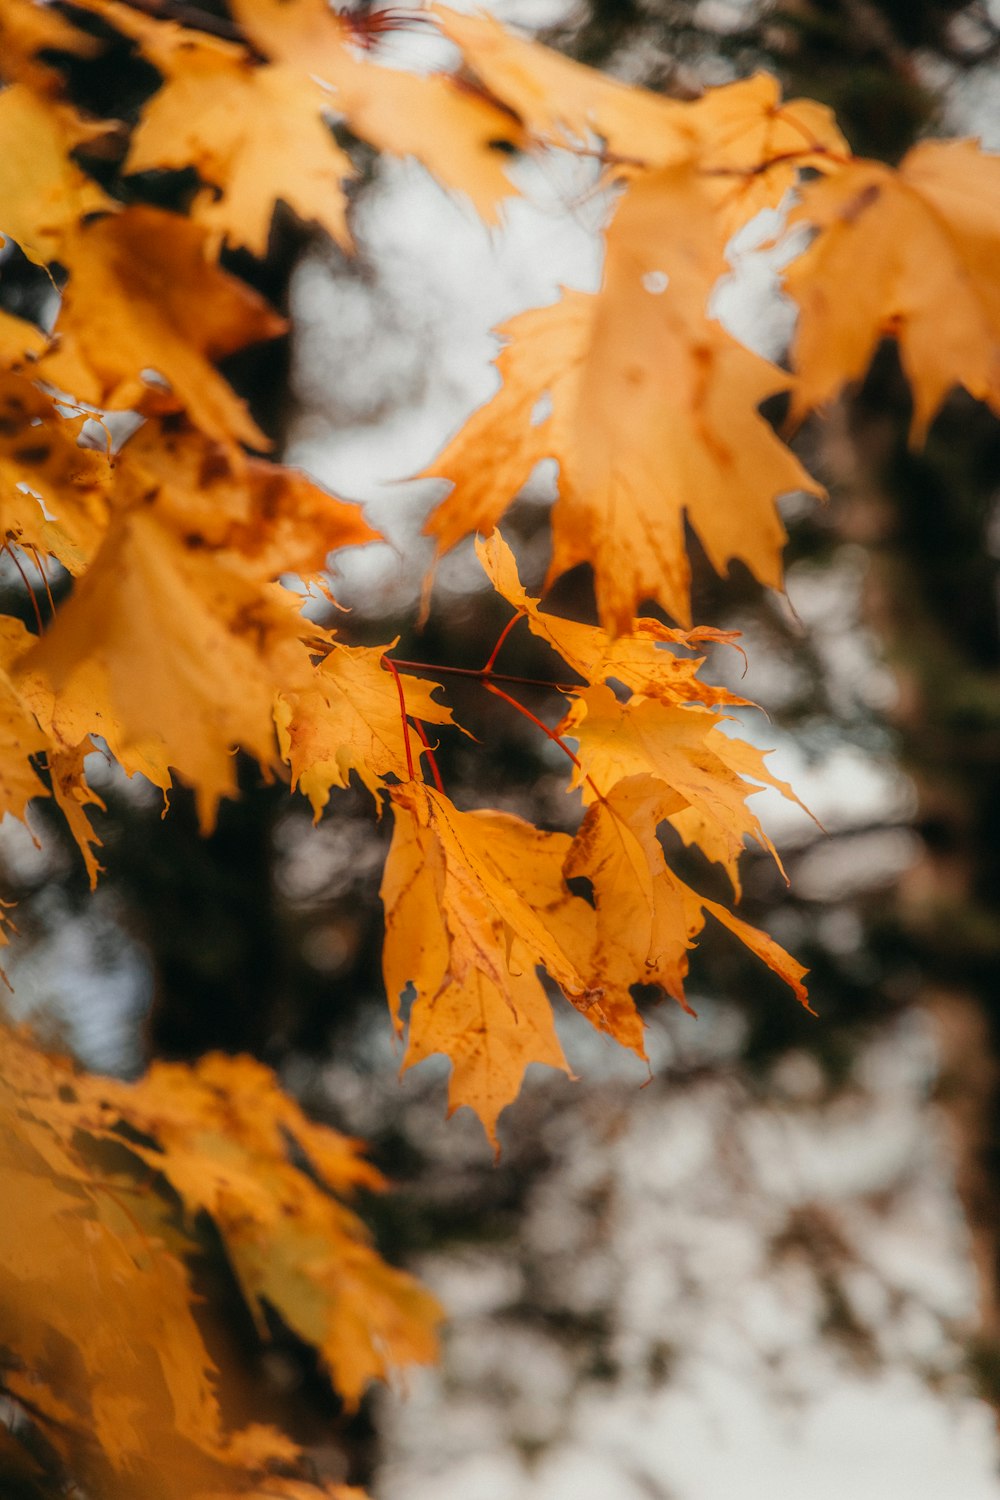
(179, 641)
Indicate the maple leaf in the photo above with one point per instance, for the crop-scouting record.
(700, 769)
(222, 1130)
(67, 717)
(191, 547)
(348, 719)
(746, 145)
(73, 796)
(469, 901)
(468, 861)
(41, 455)
(752, 148)
(43, 193)
(142, 295)
(95, 1262)
(68, 1248)
(642, 660)
(563, 101)
(653, 415)
(253, 132)
(618, 851)
(491, 1035)
(232, 644)
(892, 250)
(264, 518)
(644, 926)
(450, 131)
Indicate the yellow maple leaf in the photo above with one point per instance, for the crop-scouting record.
(41, 455)
(481, 868)
(20, 734)
(746, 145)
(222, 1129)
(79, 1271)
(618, 850)
(752, 147)
(644, 927)
(74, 795)
(24, 736)
(142, 295)
(641, 659)
(490, 1035)
(894, 249)
(451, 131)
(177, 648)
(700, 769)
(266, 518)
(255, 133)
(43, 193)
(349, 719)
(652, 415)
(469, 901)
(95, 1261)
(19, 341)
(713, 837)
(565, 102)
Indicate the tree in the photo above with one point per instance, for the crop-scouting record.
(176, 642)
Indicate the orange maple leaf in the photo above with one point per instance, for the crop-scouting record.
(452, 132)
(143, 295)
(169, 646)
(255, 133)
(893, 250)
(652, 415)
(41, 455)
(43, 193)
(643, 660)
(348, 719)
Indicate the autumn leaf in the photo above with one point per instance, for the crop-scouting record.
(264, 518)
(42, 464)
(43, 193)
(222, 1132)
(254, 133)
(143, 295)
(73, 795)
(469, 899)
(80, 1273)
(647, 941)
(490, 1035)
(752, 148)
(642, 660)
(95, 1261)
(19, 341)
(21, 738)
(179, 649)
(193, 545)
(644, 925)
(746, 145)
(893, 249)
(687, 753)
(652, 416)
(565, 102)
(450, 131)
(348, 719)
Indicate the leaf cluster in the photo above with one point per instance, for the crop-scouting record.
(130, 466)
